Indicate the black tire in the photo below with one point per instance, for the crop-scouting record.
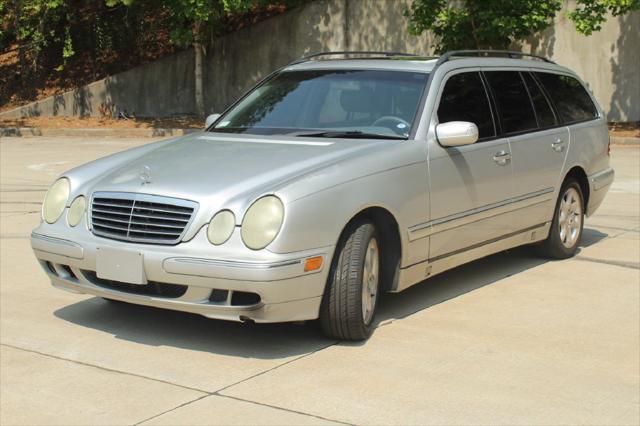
(553, 247)
(341, 313)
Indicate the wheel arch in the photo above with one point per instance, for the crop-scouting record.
(388, 230)
(578, 173)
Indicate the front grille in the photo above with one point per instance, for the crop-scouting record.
(140, 217)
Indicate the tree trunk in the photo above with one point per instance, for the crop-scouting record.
(199, 92)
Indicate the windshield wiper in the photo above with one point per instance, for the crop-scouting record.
(353, 134)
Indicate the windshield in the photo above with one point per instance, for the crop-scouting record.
(330, 103)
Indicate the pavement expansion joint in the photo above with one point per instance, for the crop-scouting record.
(111, 370)
(630, 265)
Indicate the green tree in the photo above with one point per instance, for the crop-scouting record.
(496, 24)
(589, 15)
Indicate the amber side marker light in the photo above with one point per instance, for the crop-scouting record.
(313, 264)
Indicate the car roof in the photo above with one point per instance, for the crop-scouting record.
(426, 65)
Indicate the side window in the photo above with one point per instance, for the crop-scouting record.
(464, 99)
(514, 106)
(544, 113)
(571, 99)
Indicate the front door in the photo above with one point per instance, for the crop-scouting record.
(469, 184)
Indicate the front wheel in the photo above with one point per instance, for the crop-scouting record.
(568, 221)
(350, 299)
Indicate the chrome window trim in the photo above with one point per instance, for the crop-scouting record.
(151, 198)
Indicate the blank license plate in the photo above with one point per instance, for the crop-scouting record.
(120, 265)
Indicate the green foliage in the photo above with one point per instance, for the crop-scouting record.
(66, 43)
(495, 24)
(480, 24)
(591, 14)
(191, 21)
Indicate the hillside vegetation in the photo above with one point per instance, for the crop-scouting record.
(50, 46)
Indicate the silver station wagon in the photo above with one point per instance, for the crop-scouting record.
(332, 181)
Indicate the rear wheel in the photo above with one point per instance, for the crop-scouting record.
(568, 221)
(350, 299)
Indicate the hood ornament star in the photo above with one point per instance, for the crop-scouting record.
(145, 175)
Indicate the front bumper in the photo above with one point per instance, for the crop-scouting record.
(232, 284)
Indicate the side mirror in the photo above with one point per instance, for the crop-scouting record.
(210, 119)
(457, 133)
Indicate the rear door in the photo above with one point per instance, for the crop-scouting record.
(469, 184)
(538, 143)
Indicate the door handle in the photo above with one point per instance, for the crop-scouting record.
(558, 145)
(502, 158)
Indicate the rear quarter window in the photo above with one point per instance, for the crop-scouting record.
(570, 98)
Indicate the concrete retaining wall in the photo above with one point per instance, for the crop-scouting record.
(607, 60)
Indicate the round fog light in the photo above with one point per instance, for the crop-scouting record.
(76, 210)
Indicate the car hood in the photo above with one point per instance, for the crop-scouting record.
(215, 168)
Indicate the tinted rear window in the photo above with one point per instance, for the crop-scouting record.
(570, 98)
(544, 113)
(514, 106)
(465, 99)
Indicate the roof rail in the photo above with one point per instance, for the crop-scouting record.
(509, 53)
(352, 52)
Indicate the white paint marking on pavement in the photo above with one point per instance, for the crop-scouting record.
(45, 167)
(626, 187)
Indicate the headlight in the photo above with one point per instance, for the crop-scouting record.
(55, 200)
(221, 227)
(262, 222)
(76, 210)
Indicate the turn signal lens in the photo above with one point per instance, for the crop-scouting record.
(76, 210)
(313, 264)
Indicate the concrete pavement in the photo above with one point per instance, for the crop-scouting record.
(511, 339)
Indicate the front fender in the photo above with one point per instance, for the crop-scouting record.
(317, 220)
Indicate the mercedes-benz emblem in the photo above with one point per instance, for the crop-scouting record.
(145, 175)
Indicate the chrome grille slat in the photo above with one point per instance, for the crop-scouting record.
(106, 225)
(99, 216)
(103, 204)
(164, 210)
(141, 218)
(149, 213)
(157, 225)
(113, 212)
(147, 231)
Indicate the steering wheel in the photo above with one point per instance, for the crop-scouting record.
(396, 124)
